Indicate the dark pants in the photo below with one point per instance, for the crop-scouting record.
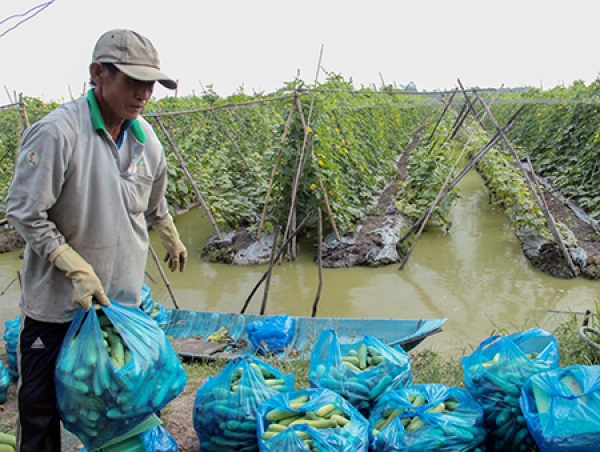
(39, 423)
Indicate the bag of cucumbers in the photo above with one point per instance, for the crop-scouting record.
(4, 382)
(360, 371)
(225, 406)
(158, 439)
(12, 329)
(115, 368)
(562, 408)
(427, 417)
(311, 420)
(496, 372)
(153, 307)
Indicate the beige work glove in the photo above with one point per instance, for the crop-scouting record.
(86, 284)
(169, 237)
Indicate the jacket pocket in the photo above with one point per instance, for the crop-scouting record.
(137, 192)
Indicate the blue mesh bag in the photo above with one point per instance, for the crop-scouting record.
(225, 407)
(158, 439)
(152, 307)
(496, 372)
(361, 371)
(11, 337)
(116, 367)
(311, 419)
(427, 417)
(4, 382)
(562, 408)
(271, 335)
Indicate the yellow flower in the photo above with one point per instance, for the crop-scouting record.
(309, 129)
(346, 150)
(320, 162)
(313, 186)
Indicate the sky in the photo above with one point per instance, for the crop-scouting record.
(257, 46)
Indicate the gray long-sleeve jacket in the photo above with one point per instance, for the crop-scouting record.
(68, 188)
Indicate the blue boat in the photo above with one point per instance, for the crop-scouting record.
(201, 334)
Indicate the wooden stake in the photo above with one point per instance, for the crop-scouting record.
(464, 171)
(279, 253)
(552, 223)
(24, 111)
(274, 171)
(162, 275)
(547, 215)
(189, 177)
(321, 184)
(320, 262)
(263, 305)
(429, 212)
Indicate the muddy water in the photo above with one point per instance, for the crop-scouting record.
(475, 276)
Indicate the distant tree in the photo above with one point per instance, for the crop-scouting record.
(411, 87)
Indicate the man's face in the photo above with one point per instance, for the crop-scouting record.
(120, 96)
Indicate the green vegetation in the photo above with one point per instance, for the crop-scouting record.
(559, 129)
(342, 146)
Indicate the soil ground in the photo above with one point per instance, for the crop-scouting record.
(176, 418)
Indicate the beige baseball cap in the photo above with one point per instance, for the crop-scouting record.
(133, 54)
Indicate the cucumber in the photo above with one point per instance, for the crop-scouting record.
(278, 414)
(341, 421)
(380, 387)
(350, 359)
(415, 424)
(274, 427)
(241, 426)
(321, 423)
(325, 410)
(8, 439)
(362, 356)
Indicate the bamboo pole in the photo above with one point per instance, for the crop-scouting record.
(10, 98)
(9, 284)
(320, 262)
(438, 197)
(263, 305)
(547, 215)
(279, 253)
(321, 184)
(464, 171)
(300, 159)
(274, 171)
(446, 107)
(305, 122)
(189, 177)
(556, 233)
(225, 106)
(162, 275)
(24, 111)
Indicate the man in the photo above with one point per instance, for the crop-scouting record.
(89, 181)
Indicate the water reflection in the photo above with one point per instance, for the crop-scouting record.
(475, 275)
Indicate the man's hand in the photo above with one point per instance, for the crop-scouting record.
(169, 237)
(86, 284)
